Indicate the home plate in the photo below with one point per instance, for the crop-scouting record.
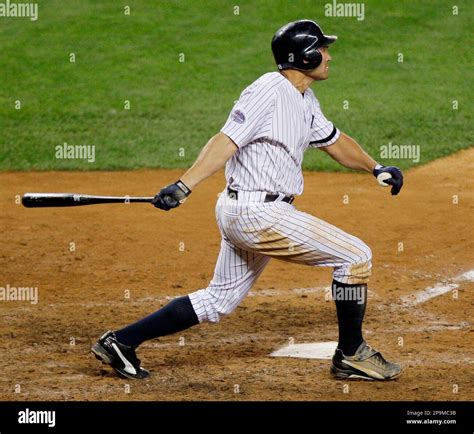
(318, 350)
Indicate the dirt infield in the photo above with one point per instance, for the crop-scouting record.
(136, 250)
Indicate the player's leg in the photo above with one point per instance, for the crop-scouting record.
(118, 348)
(235, 273)
(323, 244)
(282, 232)
(279, 230)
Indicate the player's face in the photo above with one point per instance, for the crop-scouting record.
(322, 71)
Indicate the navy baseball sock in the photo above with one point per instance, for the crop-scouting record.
(351, 301)
(177, 315)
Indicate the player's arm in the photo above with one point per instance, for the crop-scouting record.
(347, 152)
(211, 158)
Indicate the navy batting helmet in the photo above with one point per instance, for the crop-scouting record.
(295, 45)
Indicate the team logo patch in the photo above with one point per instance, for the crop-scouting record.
(238, 116)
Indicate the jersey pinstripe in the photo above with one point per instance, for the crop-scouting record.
(273, 124)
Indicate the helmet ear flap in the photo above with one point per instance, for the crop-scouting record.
(314, 58)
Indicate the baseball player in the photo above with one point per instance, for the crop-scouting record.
(276, 119)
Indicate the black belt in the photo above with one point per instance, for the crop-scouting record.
(234, 194)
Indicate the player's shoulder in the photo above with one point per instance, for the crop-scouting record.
(271, 79)
(267, 84)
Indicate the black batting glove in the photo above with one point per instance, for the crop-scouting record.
(171, 196)
(395, 179)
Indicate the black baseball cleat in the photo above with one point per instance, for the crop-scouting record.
(365, 364)
(121, 357)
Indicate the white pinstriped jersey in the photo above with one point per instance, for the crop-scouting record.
(272, 123)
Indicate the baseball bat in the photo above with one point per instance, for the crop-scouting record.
(42, 200)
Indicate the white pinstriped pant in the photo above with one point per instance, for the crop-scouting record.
(253, 231)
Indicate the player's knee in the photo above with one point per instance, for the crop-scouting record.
(358, 268)
(210, 306)
(366, 253)
(361, 268)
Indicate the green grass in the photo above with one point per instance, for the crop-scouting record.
(180, 105)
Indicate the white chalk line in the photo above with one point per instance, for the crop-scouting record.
(438, 289)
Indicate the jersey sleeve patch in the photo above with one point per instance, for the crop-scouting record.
(238, 116)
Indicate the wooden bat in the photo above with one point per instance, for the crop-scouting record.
(41, 200)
